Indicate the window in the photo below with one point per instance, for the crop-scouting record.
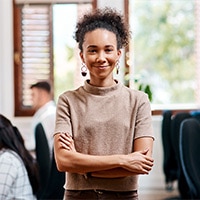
(67, 63)
(35, 57)
(33, 52)
(163, 50)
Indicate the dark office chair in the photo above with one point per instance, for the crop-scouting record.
(189, 145)
(195, 114)
(175, 130)
(43, 158)
(51, 180)
(169, 161)
(175, 135)
(55, 187)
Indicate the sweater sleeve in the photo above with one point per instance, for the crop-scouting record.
(63, 118)
(143, 126)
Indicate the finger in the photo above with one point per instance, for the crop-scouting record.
(147, 165)
(144, 170)
(66, 142)
(150, 161)
(65, 137)
(68, 135)
(65, 146)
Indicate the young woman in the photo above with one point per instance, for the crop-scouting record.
(18, 170)
(103, 136)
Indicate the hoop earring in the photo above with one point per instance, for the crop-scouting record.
(117, 67)
(83, 69)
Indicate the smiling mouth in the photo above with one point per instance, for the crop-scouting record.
(101, 67)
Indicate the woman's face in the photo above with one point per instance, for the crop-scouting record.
(100, 55)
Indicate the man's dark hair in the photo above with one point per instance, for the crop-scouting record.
(42, 85)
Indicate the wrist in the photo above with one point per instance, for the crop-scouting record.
(121, 161)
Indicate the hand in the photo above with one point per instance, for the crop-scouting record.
(66, 141)
(138, 162)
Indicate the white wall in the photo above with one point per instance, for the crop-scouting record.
(6, 68)
(6, 58)
(119, 4)
(154, 179)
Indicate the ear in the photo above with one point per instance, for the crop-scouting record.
(119, 53)
(81, 56)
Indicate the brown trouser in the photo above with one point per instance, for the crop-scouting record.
(99, 194)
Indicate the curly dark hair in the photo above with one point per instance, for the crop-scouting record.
(106, 18)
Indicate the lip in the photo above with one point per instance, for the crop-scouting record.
(101, 66)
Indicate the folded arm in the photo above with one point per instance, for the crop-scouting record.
(111, 166)
(142, 149)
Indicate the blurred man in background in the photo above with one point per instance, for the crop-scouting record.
(45, 110)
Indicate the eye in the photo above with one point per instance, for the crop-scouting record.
(109, 50)
(92, 50)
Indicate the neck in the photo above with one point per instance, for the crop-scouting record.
(103, 83)
(42, 103)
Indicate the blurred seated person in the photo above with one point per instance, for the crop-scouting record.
(45, 110)
(18, 169)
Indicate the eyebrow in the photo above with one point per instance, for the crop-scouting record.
(95, 46)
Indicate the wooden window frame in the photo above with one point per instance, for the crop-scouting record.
(19, 108)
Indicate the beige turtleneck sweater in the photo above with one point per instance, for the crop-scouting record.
(103, 121)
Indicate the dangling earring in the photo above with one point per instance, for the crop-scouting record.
(83, 70)
(117, 67)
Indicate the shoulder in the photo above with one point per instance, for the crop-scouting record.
(9, 156)
(70, 94)
(10, 162)
(14, 180)
(49, 106)
(135, 94)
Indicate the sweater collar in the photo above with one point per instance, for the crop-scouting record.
(100, 90)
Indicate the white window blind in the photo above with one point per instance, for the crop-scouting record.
(36, 46)
(51, 1)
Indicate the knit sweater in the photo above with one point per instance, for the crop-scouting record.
(103, 121)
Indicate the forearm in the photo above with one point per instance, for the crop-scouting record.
(72, 161)
(139, 145)
(69, 160)
(113, 173)
(144, 143)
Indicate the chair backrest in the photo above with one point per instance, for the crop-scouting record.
(43, 157)
(55, 187)
(175, 126)
(175, 135)
(189, 145)
(170, 167)
(195, 114)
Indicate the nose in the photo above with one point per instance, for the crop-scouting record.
(101, 57)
